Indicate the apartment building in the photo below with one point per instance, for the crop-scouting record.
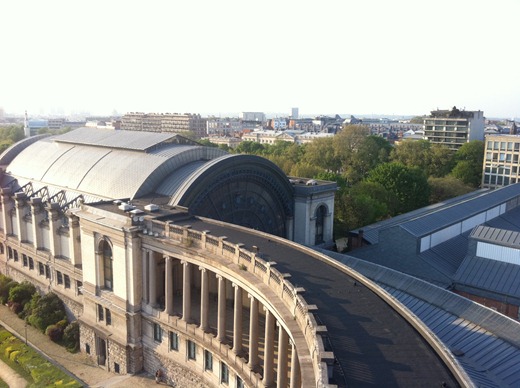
(454, 127)
(165, 122)
(501, 161)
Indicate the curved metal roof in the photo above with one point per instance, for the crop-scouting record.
(102, 166)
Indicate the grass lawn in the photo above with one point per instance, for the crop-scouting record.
(31, 365)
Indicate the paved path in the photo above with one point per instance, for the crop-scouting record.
(13, 379)
(74, 364)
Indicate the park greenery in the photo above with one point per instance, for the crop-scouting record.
(46, 313)
(29, 364)
(377, 180)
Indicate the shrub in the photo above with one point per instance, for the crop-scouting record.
(49, 310)
(29, 307)
(21, 293)
(71, 337)
(62, 324)
(54, 332)
(6, 283)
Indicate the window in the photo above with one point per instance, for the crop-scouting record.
(87, 348)
(192, 350)
(208, 360)
(59, 277)
(9, 253)
(79, 287)
(240, 383)
(67, 281)
(47, 271)
(157, 332)
(174, 341)
(15, 254)
(31, 263)
(107, 265)
(108, 317)
(224, 373)
(101, 315)
(24, 260)
(116, 367)
(41, 269)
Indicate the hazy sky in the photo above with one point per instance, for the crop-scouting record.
(344, 56)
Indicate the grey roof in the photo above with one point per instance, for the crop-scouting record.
(429, 219)
(489, 361)
(483, 341)
(96, 169)
(490, 277)
(448, 256)
(132, 140)
(497, 236)
(9, 154)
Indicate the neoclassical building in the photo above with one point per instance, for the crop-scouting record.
(182, 258)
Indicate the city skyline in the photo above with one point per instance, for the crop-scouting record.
(397, 58)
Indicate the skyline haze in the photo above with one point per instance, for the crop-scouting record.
(361, 57)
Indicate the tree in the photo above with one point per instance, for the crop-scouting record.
(321, 153)
(445, 188)
(469, 159)
(441, 161)
(372, 151)
(207, 143)
(412, 153)
(249, 147)
(347, 141)
(408, 185)
(305, 170)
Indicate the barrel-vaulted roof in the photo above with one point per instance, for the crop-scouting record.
(106, 163)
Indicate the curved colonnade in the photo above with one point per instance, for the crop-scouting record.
(230, 303)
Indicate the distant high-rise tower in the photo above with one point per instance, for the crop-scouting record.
(294, 113)
(26, 129)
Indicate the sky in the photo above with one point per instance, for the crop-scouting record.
(364, 57)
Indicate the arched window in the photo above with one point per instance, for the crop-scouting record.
(320, 222)
(108, 275)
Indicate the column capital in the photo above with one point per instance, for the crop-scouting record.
(251, 296)
(202, 269)
(166, 257)
(184, 262)
(218, 276)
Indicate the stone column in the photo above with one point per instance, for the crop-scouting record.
(7, 205)
(186, 291)
(53, 211)
(281, 380)
(221, 315)
(253, 332)
(152, 274)
(74, 242)
(295, 368)
(37, 216)
(237, 320)
(20, 199)
(269, 349)
(168, 279)
(146, 282)
(204, 299)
